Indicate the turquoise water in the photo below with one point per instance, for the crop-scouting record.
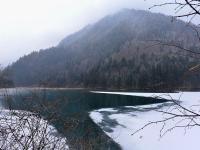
(68, 111)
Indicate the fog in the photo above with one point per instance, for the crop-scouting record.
(31, 25)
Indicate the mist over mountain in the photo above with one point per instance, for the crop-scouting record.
(119, 51)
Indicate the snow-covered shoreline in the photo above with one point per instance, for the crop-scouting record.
(22, 128)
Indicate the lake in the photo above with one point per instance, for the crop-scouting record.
(68, 111)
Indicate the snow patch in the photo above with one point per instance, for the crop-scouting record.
(149, 138)
(21, 129)
(97, 116)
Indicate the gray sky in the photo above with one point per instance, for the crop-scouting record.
(30, 25)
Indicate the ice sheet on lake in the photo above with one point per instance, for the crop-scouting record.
(120, 124)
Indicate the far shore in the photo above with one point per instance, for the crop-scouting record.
(106, 89)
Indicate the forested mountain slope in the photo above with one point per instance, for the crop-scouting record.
(119, 51)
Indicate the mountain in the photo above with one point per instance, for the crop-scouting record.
(119, 51)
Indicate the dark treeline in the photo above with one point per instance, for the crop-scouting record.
(168, 74)
(5, 80)
(116, 52)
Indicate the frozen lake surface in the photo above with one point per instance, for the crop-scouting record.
(116, 115)
(120, 124)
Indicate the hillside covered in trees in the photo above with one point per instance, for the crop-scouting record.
(119, 51)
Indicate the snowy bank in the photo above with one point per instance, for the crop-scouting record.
(119, 124)
(25, 130)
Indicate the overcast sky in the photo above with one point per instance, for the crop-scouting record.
(30, 25)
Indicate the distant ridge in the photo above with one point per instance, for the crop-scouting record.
(115, 52)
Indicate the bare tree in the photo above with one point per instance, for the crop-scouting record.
(189, 9)
(177, 115)
(25, 130)
(28, 130)
(183, 8)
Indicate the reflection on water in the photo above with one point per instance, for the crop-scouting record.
(68, 111)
